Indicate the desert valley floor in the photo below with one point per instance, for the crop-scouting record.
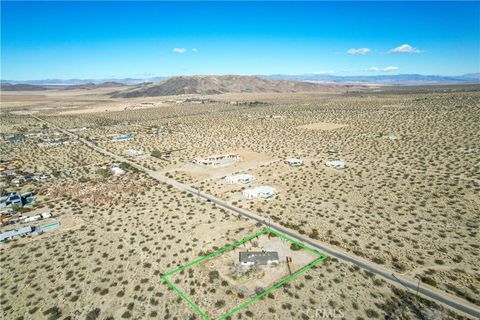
(407, 199)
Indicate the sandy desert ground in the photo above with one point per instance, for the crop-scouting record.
(409, 204)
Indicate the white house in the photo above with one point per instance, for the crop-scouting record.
(392, 136)
(218, 160)
(258, 258)
(294, 162)
(244, 178)
(336, 164)
(46, 214)
(134, 153)
(264, 192)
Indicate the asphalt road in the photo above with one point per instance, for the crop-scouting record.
(443, 298)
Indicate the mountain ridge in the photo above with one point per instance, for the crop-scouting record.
(398, 79)
(209, 85)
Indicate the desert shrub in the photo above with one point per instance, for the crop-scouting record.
(104, 173)
(286, 306)
(156, 153)
(372, 314)
(429, 281)
(259, 290)
(295, 247)
(220, 303)
(378, 260)
(53, 313)
(377, 282)
(33, 310)
(93, 314)
(213, 275)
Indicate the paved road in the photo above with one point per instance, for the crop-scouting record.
(428, 292)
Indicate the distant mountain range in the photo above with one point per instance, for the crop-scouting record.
(222, 84)
(35, 87)
(79, 82)
(21, 87)
(399, 79)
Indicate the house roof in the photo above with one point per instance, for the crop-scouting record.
(218, 156)
(14, 197)
(123, 136)
(243, 176)
(258, 258)
(261, 189)
(15, 233)
(336, 162)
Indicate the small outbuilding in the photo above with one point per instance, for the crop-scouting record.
(336, 164)
(117, 171)
(46, 214)
(134, 153)
(32, 218)
(392, 136)
(16, 138)
(294, 162)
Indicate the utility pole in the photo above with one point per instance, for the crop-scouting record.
(398, 280)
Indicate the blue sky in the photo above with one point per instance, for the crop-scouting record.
(95, 40)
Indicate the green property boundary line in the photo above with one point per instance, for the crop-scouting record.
(321, 258)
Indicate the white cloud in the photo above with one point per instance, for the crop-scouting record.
(385, 69)
(405, 48)
(195, 50)
(179, 50)
(359, 51)
(390, 69)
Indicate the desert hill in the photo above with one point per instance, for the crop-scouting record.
(91, 85)
(223, 84)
